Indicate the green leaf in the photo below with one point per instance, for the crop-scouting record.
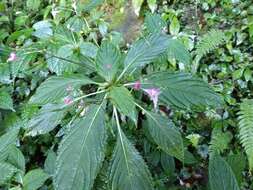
(33, 4)
(124, 101)
(55, 88)
(59, 61)
(88, 49)
(81, 152)
(221, 176)
(178, 51)
(152, 5)
(16, 158)
(6, 141)
(7, 171)
(174, 26)
(34, 179)
(219, 141)
(137, 6)
(43, 29)
(165, 135)
(91, 4)
(128, 170)
(154, 23)
(145, 50)
(246, 128)
(182, 90)
(237, 163)
(6, 101)
(46, 119)
(108, 60)
(49, 165)
(76, 24)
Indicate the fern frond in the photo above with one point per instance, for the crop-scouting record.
(209, 42)
(246, 129)
(219, 141)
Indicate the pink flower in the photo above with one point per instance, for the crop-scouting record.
(137, 85)
(12, 57)
(153, 94)
(67, 100)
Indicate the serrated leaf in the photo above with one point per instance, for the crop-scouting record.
(81, 152)
(124, 101)
(54, 88)
(6, 141)
(49, 165)
(7, 171)
(182, 90)
(128, 170)
(154, 23)
(6, 101)
(34, 179)
(178, 51)
(49, 116)
(108, 60)
(165, 135)
(145, 50)
(76, 24)
(43, 29)
(60, 63)
(88, 49)
(16, 158)
(221, 176)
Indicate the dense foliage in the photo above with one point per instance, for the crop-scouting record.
(122, 94)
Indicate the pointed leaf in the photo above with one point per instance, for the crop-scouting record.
(6, 141)
(35, 179)
(6, 101)
(55, 88)
(123, 101)
(108, 60)
(128, 170)
(221, 176)
(49, 165)
(7, 171)
(81, 152)
(154, 23)
(145, 50)
(46, 119)
(165, 134)
(182, 90)
(16, 158)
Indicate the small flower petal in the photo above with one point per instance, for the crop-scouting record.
(137, 85)
(153, 94)
(12, 57)
(68, 100)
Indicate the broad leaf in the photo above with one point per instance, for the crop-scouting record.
(182, 90)
(123, 101)
(178, 51)
(108, 60)
(128, 170)
(55, 88)
(88, 49)
(76, 24)
(46, 119)
(154, 23)
(146, 50)
(221, 176)
(81, 152)
(43, 29)
(16, 158)
(6, 101)
(7, 171)
(6, 141)
(60, 59)
(49, 165)
(137, 6)
(165, 134)
(35, 179)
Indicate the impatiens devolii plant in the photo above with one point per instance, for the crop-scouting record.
(106, 100)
